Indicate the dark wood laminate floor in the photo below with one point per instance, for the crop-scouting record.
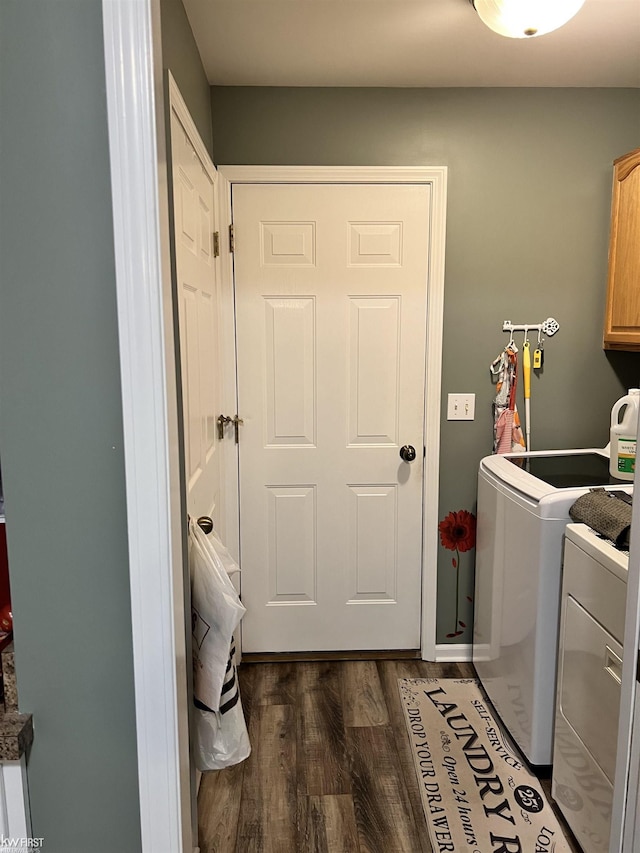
(330, 770)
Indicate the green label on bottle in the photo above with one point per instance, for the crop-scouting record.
(626, 455)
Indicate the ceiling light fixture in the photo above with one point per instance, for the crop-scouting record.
(525, 18)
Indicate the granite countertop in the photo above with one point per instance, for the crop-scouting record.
(16, 729)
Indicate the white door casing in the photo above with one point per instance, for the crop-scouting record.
(331, 297)
(134, 90)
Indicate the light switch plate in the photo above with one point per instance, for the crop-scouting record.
(461, 407)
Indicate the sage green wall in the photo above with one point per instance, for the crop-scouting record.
(61, 428)
(180, 55)
(527, 229)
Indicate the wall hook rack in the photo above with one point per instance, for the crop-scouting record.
(549, 327)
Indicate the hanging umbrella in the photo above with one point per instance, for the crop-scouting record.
(507, 432)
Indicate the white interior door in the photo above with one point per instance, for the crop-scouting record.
(194, 179)
(331, 327)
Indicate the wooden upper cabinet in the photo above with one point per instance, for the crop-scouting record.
(622, 317)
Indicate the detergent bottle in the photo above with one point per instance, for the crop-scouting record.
(622, 453)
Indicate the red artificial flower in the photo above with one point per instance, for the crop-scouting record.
(458, 531)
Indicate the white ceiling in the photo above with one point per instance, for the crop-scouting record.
(408, 43)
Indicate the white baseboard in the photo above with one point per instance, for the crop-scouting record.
(454, 652)
(15, 817)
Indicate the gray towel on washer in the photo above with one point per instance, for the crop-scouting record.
(606, 513)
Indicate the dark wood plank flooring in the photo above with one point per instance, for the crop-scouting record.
(330, 770)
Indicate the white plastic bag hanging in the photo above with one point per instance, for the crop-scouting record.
(221, 736)
(216, 611)
(221, 732)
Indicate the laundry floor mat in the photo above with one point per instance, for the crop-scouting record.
(477, 792)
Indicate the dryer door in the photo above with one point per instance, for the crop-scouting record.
(589, 693)
(586, 725)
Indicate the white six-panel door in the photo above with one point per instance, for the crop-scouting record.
(331, 319)
(194, 206)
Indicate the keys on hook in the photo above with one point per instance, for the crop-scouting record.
(538, 357)
(538, 353)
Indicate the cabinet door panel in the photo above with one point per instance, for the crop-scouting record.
(622, 319)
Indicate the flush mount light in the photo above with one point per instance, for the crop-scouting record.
(520, 19)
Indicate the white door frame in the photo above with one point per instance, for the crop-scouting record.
(436, 178)
(136, 122)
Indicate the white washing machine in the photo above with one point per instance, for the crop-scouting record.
(523, 509)
(594, 591)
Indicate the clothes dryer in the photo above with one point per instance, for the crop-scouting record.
(523, 510)
(593, 604)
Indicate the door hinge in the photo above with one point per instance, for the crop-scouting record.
(216, 244)
(232, 241)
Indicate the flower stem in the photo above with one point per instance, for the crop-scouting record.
(457, 586)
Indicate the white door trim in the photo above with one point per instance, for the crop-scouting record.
(135, 110)
(436, 177)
